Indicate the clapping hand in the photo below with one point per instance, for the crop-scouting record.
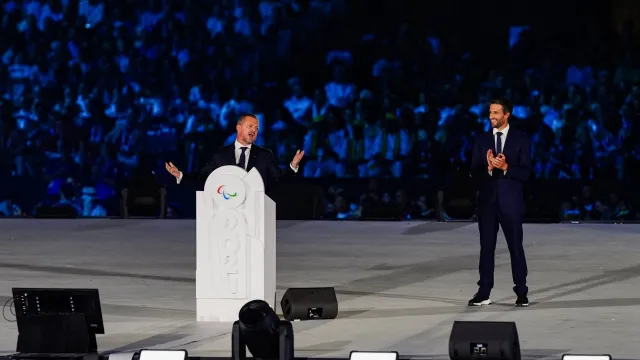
(490, 159)
(499, 162)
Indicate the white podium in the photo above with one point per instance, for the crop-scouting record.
(235, 244)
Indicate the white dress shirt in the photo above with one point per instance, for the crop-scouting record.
(503, 137)
(238, 152)
(504, 132)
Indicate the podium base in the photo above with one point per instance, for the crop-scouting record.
(221, 310)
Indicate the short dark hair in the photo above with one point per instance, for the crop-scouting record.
(246, 115)
(507, 106)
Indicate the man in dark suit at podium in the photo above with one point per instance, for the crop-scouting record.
(501, 163)
(244, 153)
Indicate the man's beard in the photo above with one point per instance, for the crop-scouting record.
(499, 123)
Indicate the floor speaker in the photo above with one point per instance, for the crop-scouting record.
(54, 334)
(484, 340)
(309, 303)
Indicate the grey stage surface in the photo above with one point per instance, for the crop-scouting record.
(401, 285)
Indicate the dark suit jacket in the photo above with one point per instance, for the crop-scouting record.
(506, 189)
(260, 158)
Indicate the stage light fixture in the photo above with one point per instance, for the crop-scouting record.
(374, 355)
(261, 331)
(160, 354)
(585, 357)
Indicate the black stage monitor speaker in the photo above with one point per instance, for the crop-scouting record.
(485, 340)
(309, 303)
(57, 321)
(53, 334)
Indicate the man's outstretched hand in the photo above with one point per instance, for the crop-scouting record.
(297, 158)
(172, 169)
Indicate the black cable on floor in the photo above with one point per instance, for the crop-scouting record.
(9, 302)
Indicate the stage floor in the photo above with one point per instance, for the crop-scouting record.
(400, 284)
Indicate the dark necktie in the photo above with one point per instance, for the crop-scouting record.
(499, 143)
(242, 160)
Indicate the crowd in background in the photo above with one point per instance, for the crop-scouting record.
(93, 90)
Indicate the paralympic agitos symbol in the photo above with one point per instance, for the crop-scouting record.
(225, 194)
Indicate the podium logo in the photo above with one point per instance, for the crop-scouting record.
(226, 195)
(228, 190)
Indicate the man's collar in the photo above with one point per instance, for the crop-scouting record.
(503, 131)
(237, 145)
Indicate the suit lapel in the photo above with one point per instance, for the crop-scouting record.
(231, 155)
(491, 143)
(252, 157)
(508, 144)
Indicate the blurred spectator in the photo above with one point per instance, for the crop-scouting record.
(88, 88)
(90, 205)
(8, 208)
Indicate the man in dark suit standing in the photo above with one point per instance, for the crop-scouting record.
(244, 153)
(501, 163)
